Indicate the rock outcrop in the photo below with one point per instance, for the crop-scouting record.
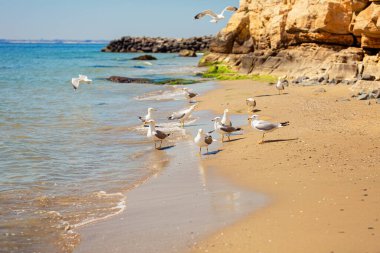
(335, 40)
(157, 45)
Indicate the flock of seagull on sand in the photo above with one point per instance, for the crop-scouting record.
(222, 125)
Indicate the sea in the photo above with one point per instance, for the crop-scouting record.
(68, 157)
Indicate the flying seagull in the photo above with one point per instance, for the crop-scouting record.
(265, 126)
(183, 114)
(203, 140)
(155, 135)
(215, 18)
(189, 95)
(77, 80)
(223, 129)
(147, 117)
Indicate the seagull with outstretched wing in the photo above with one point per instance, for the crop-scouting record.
(215, 18)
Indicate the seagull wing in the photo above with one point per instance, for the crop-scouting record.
(177, 115)
(161, 135)
(75, 82)
(208, 139)
(192, 94)
(204, 13)
(229, 129)
(229, 8)
(266, 126)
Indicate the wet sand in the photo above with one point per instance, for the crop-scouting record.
(322, 171)
(177, 207)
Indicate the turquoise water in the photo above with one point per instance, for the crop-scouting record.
(67, 157)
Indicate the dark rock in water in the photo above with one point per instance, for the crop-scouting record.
(178, 81)
(368, 77)
(121, 79)
(187, 53)
(363, 96)
(145, 58)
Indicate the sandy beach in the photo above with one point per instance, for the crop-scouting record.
(321, 172)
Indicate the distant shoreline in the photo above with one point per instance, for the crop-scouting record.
(7, 41)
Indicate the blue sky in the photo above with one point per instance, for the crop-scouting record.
(106, 19)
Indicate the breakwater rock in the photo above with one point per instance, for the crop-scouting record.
(157, 45)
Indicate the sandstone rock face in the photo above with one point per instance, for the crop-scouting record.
(338, 39)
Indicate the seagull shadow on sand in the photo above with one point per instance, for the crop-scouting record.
(213, 152)
(232, 140)
(271, 95)
(280, 140)
(166, 147)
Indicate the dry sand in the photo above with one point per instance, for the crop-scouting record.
(322, 171)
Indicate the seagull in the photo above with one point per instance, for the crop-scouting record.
(203, 140)
(183, 114)
(215, 18)
(76, 81)
(223, 129)
(265, 126)
(226, 118)
(280, 86)
(84, 78)
(251, 103)
(147, 117)
(189, 94)
(155, 135)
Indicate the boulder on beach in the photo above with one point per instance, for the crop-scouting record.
(145, 57)
(187, 53)
(122, 79)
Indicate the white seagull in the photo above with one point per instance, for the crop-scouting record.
(155, 135)
(251, 103)
(226, 118)
(265, 126)
(280, 86)
(215, 18)
(203, 140)
(147, 117)
(188, 94)
(223, 129)
(77, 80)
(183, 114)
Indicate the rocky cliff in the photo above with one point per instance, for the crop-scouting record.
(332, 40)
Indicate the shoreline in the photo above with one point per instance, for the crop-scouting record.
(183, 202)
(320, 171)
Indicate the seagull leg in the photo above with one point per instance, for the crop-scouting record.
(155, 146)
(222, 137)
(262, 139)
(160, 144)
(200, 150)
(228, 137)
(207, 149)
